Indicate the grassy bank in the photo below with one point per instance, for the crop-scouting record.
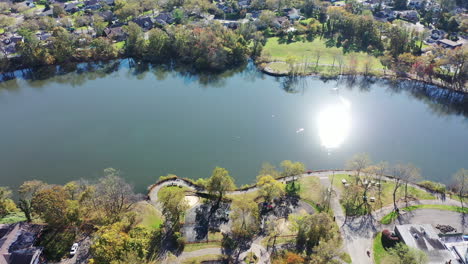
(386, 193)
(316, 57)
(379, 251)
(389, 218)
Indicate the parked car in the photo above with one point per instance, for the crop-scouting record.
(74, 249)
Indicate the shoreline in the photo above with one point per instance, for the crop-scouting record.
(269, 71)
(13, 74)
(154, 188)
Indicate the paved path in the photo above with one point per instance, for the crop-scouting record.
(357, 232)
(7, 241)
(260, 251)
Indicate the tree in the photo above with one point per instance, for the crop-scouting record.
(402, 174)
(173, 206)
(51, 205)
(135, 43)
(158, 44)
(313, 230)
(269, 187)
(402, 254)
(379, 171)
(58, 10)
(357, 163)
(244, 216)
(113, 196)
(6, 204)
(114, 243)
(220, 182)
(269, 169)
(102, 48)
(327, 252)
(460, 179)
(63, 44)
(292, 168)
(26, 193)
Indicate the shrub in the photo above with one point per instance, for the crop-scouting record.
(433, 186)
(388, 240)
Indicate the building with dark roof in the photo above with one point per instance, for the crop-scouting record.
(425, 238)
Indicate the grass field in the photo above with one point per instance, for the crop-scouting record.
(13, 217)
(216, 237)
(148, 216)
(379, 251)
(310, 189)
(202, 258)
(119, 45)
(307, 52)
(387, 190)
(389, 218)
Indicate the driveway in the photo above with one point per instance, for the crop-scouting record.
(436, 217)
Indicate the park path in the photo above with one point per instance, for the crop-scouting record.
(7, 241)
(357, 232)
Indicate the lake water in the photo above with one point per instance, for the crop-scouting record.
(150, 122)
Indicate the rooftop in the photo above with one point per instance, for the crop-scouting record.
(425, 238)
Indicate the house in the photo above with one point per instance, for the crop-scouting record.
(17, 245)
(144, 22)
(448, 44)
(107, 15)
(417, 4)
(71, 7)
(409, 15)
(293, 14)
(281, 22)
(115, 33)
(243, 4)
(49, 12)
(387, 14)
(164, 17)
(43, 36)
(424, 237)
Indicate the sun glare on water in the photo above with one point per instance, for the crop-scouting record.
(334, 123)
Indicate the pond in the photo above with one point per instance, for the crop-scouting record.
(151, 121)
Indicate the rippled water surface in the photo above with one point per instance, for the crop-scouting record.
(149, 122)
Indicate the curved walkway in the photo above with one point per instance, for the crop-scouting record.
(357, 232)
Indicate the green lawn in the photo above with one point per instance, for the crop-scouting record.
(13, 217)
(198, 246)
(387, 190)
(389, 218)
(310, 189)
(148, 216)
(2, 30)
(307, 52)
(202, 258)
(119, 45)
(379, 251)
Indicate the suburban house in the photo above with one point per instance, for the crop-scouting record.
(410, 15)
(449, 44)
(144, 22)
(425, 238)
(17, 244)
(115, 33)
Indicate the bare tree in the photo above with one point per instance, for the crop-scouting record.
(113, 195)
(357, 163)
(460, 180)
(403, 174)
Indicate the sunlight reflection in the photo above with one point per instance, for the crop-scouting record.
(334, 123)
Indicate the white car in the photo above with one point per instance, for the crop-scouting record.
(74, 249)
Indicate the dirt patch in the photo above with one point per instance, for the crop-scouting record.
(192, 200)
